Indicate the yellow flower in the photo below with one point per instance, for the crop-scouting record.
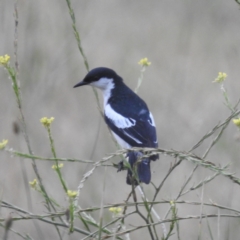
(4, 59)
(46, 122)
(71, 194)
(172, 203)
(236, 121)
(33, 184)
(60, 165)
(115, 210)
(144, 62)
(220, 78)
(3, 144)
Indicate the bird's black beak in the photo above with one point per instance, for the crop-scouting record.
(82, 83)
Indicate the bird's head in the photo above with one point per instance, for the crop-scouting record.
(101, 77)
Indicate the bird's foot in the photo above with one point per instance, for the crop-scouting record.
(120, 166)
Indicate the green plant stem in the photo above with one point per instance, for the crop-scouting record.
(29, 156)
(140, 79)
(78, 39)
(76, 34)
(225, 95)
(71, 213)
(16, 89)
(56, 161)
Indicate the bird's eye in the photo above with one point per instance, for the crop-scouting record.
(95, 78)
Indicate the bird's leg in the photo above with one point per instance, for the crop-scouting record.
(120, 166)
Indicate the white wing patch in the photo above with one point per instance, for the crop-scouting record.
(118, 120)
(136, 140)
(122, 143)
(151, 121)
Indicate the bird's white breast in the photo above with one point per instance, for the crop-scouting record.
(106, 85)
(120, 141)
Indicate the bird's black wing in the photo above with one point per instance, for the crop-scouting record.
(137, 131)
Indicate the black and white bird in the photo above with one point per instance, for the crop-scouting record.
(129, 119)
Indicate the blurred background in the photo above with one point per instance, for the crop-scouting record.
(188, 43)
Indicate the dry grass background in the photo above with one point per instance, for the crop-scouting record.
(188, 43)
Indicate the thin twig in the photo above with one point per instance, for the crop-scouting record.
(16, 87)
(170, 220)
(151, 209)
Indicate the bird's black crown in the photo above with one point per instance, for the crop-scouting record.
(100, 72)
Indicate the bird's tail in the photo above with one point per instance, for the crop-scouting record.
(142, 169)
